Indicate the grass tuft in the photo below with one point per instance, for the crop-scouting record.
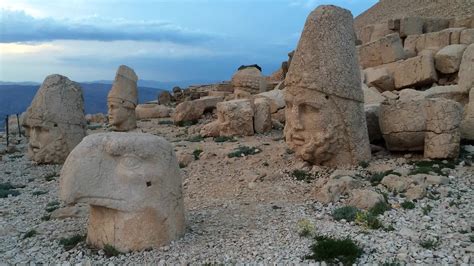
(433, 166)
(379, 208)
(186, 123)
(8, 189)
(197, 153)
(302, 175)
(306, 228)
(220, 139)
(29, 234)
(71, 242)
(243, 151)
(197, 138)
(111, 251)
(408, 205)
(347, 213)
(332, 250)
(39, 192)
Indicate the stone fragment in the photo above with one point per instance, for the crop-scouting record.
(150, 110)
(164, 98)
(467, 37)
(122, 100)
(249, 79)
(335, 188)
(372, 95)
(75, 211)
(466, 69)
(462, 22)
(234, 118)
(395, 183)
(467, 124)
(448, 59)
(193, 110)
(325, 119)
(416, 71)
(132, 183)
(430, 179)
(407, 95)
(411, 26)
(435, 24)
(98, 118)
(379, 31)
(416, 192)
(385, 50)
(263, 117)
(379, 78)
(443, 134)
(277, 98)
(453, 92)
(55, 122)
(433, 41)
(364, 198)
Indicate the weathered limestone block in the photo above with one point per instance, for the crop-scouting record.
(372, 95)
(466, 69)
(165, 98)
(364, 198)
(122, 100)
(366, 33)
(133, 185)
(249, 79)
(382, 51)
(55, 122)
(380, 30)
(380, 78)
(407, 95)
(467, 124)
(443, 134)
(435, 24)
(467, 36)
(325, 119)
(263, 117)
(335, 188)
(193, 110)
(396, 183)
(434, 40)
(234, 118)
(453, 92)
(411, 26)
(149, 110)
(431, 125)
(448, 59)
(462, 22)
(277, 98)
(416, 71)
(403, 125)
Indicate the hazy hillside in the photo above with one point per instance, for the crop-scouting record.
(16, 98)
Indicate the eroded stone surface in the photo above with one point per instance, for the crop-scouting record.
(133, 184)
(55, 121)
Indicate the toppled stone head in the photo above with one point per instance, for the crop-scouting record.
(133, 184)
(55, 121)
(325, 120)
(122, 100)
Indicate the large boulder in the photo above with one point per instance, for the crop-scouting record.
(262, 121)
(193, 110)
(335, 188)
(151, 110)
(234, 118)
(382, 51)
(380, 78)
(416, 71)
(133, 185)
(466, 69)
(277, 98)
(249, 79)
(467, 124)
(448, 59)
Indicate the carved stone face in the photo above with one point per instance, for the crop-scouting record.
(46, 144)
(120, 115)
(311, 124)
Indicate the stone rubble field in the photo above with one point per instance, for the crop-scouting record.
(247, 209)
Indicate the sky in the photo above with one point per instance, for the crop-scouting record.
(162, 40)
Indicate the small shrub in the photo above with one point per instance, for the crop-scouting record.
(165, 122)
(408, 205)
(332, 250)
(368, 220)
(427, 209)
(8, 189)
(471, 238)
(302, 175)
(186, 123)
(46, 217)
(220, 139)
(197, 138)
(376, 178)
(52, 206)
(39, 192)
(306, 228)
(243, 151)
(71, 242)
(197, 153)
(379, 208)
(111, 251)
(364, 164)
(182, 165)
(429, 243)
(347, 213)
(392, 262)
(433, 166)
(30, 233)
(389, 228)
(50, 177)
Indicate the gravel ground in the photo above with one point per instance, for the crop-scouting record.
(244, 210)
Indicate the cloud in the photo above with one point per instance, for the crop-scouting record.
(17, 26)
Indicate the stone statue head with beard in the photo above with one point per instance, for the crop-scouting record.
(325, 119)
(55, 121)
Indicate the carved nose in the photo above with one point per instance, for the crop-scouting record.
(297, 124)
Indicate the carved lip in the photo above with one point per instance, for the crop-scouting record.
(297, 140)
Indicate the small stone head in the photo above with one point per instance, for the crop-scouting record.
(55, 121)
(122, 100)
(128, 172)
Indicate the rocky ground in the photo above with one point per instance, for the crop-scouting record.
(245, 209)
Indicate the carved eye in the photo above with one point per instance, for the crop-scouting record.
(130, 162)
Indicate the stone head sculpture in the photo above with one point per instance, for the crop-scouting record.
(55, 121)
(325, 120)
(133, 185)
(122, 100)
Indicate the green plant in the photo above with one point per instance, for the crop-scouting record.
(50, 177)
(111, 251)
(243, 151)
(266, 164)
(392, 262)
(8, 189)
(197, 153)
(364, 164)
(389, 228)
(379, 208)
(376, 178)
(471, 238)
(427, 209)
(165, 122)
(186, 123)
(52, 206)
(306, 228)
(429, 243)
(71, 242)
(332, 250)
(433, 166)
(347, 213)
(220, 139)
(39, 192)
(368, 220)
(302, 175)
(30, 233)
(46, 217)
(408, 205)
(197, 138)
